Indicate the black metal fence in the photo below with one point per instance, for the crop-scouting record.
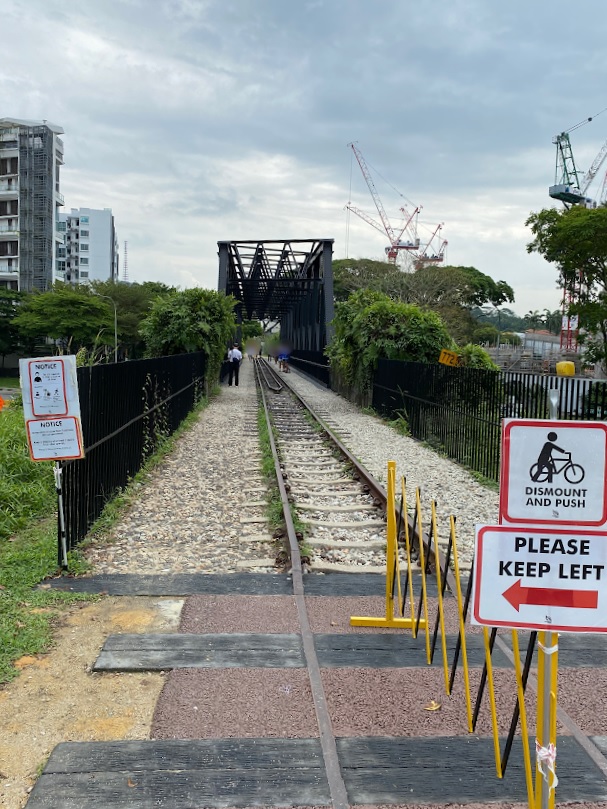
(458, 411)
(127, 410)
(313, 363)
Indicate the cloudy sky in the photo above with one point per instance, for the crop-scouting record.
(203, 120)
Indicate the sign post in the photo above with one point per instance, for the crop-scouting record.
(51, 408)
(544, 567)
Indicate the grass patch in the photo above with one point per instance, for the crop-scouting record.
(27, 489)
(274, 512)
(9, 381)
(28, 616)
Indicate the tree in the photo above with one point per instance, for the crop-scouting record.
(133, 303)
(192, 320)
(70, 315)
(369, 326)
(575, 240)
(350, 275)
(251, 329)
(9, 335)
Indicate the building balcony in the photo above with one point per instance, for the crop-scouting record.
(6, 270)
(59, 198)
(6, 231)
(7, 190)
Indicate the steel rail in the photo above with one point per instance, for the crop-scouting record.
(337, 787)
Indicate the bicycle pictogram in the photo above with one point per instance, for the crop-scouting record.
(548, 465)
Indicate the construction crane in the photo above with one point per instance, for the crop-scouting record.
(411, 242)
(428, 253)
(571, 188)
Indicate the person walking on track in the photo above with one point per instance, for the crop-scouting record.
(234, 358)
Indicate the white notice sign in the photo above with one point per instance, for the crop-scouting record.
(545, 579)
(54, 439)
(51, 407)
(47, 386)
(553, 472)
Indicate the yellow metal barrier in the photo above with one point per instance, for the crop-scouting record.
(541, 789)
(390, 619)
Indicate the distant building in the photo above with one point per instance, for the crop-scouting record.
(89, 250)
(31, 153)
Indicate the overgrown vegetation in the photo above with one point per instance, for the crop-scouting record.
(26, 488)
(275, 511)
(369, 326)
(192, 320)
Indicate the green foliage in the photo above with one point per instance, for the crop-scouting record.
(370, 326)
(133, 303)
(449, 291)
(26, 488)
(350, 275)
(192, 320)
(575, 240)
(250, 329)
(482, 289)
(473, 356)
(71, 315)
(485, 334)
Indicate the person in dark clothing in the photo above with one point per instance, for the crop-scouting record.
(234, 358)
(545, 461)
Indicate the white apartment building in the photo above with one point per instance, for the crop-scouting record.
(31, 153)
(89, 250)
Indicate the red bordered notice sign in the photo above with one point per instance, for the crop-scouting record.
(553, 473)
(53, 439)
(545, 579)
(51, 407)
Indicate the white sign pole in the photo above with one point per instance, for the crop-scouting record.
(545, 749)
(62, 537)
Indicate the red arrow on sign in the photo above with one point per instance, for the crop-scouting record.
(550, 597)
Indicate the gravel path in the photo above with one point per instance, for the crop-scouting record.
(199, 512)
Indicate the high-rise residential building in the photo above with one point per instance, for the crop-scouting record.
(31, 153)
(89, 251)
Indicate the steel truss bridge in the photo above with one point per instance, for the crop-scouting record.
(287, 281)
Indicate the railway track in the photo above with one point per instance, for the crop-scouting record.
(332, 494)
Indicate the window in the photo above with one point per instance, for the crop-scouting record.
(62, 227)
(84, 220)
(84, 261)
(84, 234)
(84, 275)
(83, 247)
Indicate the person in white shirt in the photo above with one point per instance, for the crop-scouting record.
(234, 358)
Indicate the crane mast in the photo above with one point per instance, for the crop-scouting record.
(395, 238)
(371, 186)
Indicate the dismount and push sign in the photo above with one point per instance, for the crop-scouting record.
(554, 473)
(546, 579)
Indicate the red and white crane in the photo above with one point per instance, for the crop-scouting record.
(433, 252)
(404, 238)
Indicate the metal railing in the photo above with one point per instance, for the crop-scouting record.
(459, 411)
(313, 363)
(127, 410)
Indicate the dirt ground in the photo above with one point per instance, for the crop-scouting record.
(56, 697)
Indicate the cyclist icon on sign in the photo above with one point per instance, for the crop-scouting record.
(546, 466)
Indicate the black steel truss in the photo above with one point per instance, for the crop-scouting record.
(290, 281)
